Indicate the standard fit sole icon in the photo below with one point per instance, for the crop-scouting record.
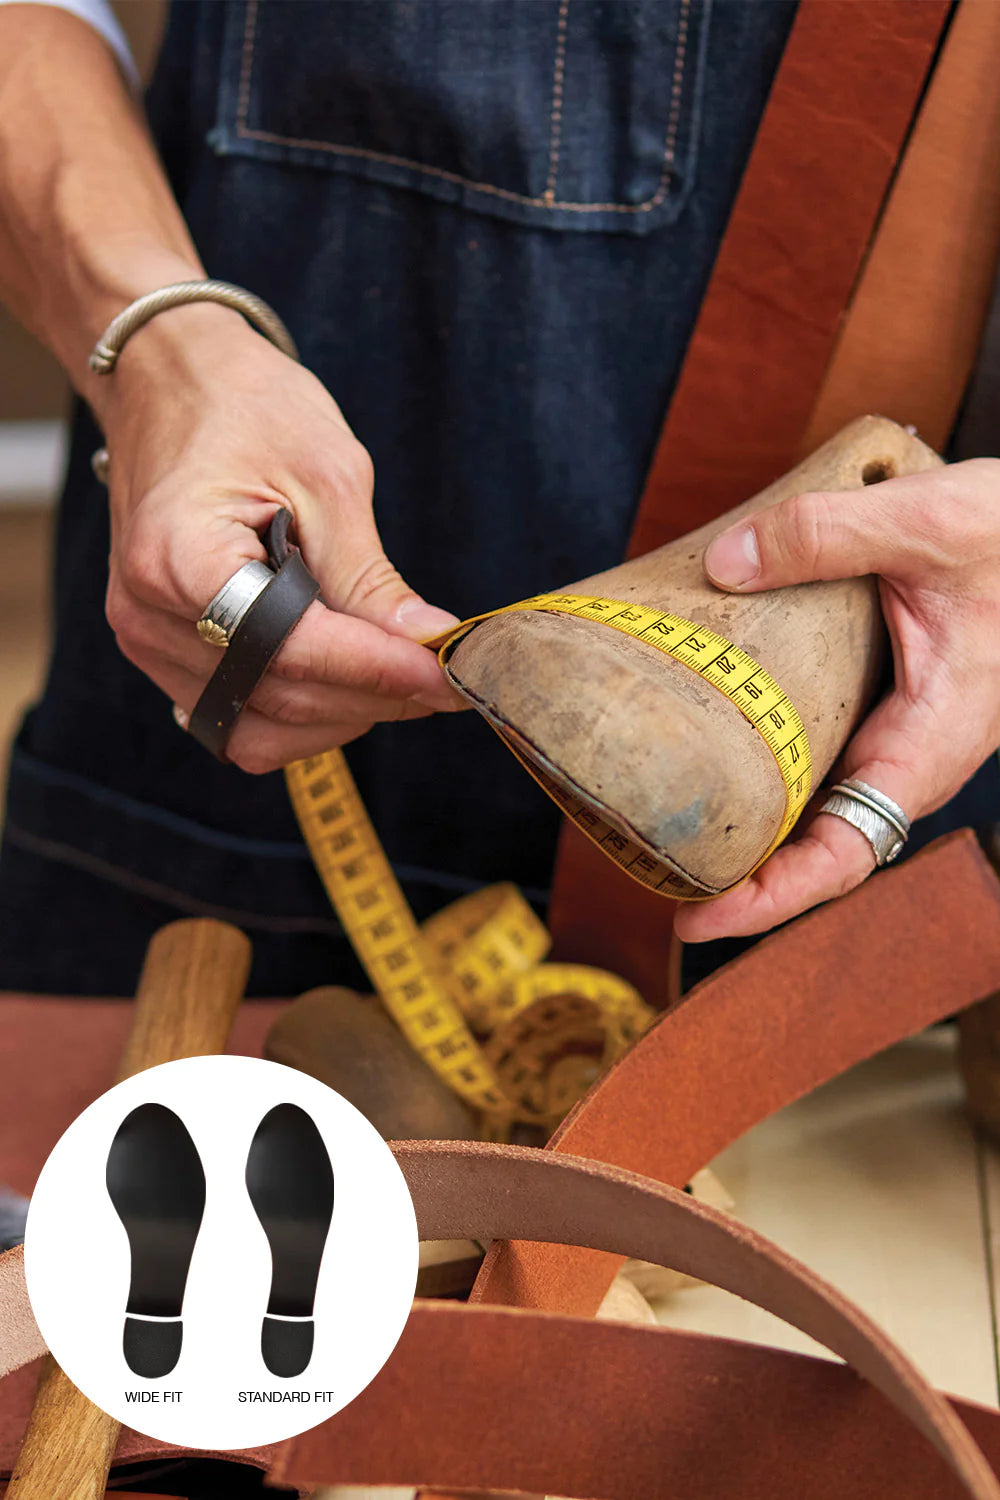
(157, 1184)
(290, 1182)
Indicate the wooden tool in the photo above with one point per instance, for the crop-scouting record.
(659, 753)
(191, 985)
(348, 1042)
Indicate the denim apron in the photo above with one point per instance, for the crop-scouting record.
(488, 225)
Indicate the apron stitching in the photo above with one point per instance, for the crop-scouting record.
(555, 118)
(246, 62)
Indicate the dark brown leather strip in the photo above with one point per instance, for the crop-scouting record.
(257, 640)
(910, 946)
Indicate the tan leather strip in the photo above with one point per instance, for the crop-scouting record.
(834, 124)
(20, 1340)
(485, 1398)
(910, 946)
(914, 324)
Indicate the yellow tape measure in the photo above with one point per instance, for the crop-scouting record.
(517, 1038)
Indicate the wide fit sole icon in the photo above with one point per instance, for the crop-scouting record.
(156, 1182)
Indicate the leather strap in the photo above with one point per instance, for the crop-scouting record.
(259, 637)
(488, 1191)
(20, 1340)
(914, 944)
(493, 1399)
(832, 132)
(911, 335)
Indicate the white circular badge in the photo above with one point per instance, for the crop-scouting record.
(221, 1252)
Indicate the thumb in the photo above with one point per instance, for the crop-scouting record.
(803, 539)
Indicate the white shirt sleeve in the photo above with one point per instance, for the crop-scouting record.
(98, 13)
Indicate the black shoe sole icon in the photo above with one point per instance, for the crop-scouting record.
(290, 1181)
(157, 1184)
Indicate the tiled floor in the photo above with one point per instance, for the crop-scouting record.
(875, 1180)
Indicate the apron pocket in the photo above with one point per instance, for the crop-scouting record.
(559, 114)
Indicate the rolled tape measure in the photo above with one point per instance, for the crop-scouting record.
(472, 972)
(517, 1038)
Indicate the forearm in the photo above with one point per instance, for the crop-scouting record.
(87, 218)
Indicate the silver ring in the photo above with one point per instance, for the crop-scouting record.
(882, 821)
(221, 617)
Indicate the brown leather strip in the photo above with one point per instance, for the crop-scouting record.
(832, 131)
(834, 124)
(473, 1189)
(910, 946)
(482, 1191)
(486, 1398)
(911, 336)
(500, 1399)
(256, 641)
(599, 915)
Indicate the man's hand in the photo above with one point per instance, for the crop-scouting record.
(210, 431)
(934, 541)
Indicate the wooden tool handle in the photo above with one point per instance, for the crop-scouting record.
(190, 988)
(191, 985)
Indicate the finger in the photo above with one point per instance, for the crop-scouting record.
(828, 860)
(171, 647)
(325, 650)
(902, 751)
(157, 562)
(259, 744)
(336, 648)
(893, 528)
(341, 544)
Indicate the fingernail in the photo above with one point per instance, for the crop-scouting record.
(181, 717)
(424, 621)
(732, 559)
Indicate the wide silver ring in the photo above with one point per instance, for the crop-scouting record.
(882, 821)
(221, 617)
